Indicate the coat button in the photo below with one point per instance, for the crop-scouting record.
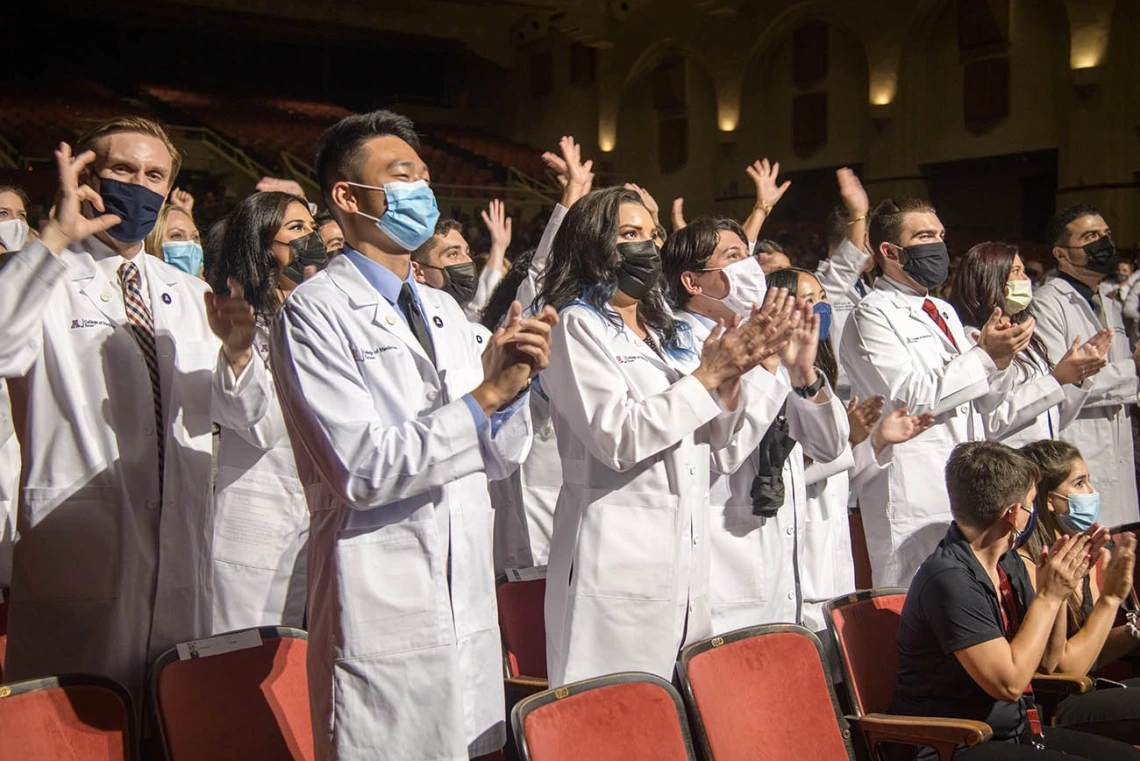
(391, 320)
(692, 471)
(105, 296)
(791, 595)
(789, 531)
(432, 394)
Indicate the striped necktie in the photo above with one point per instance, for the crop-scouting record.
(931, 310)
(142, 325)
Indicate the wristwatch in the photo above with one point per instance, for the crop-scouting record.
(807, 392)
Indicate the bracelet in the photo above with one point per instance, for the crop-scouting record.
(807, 392)
(765, 207)
(522, 392)
(857, 220)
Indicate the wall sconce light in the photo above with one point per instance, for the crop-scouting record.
(607, 137)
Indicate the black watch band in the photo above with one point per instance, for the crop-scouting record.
(808, 392)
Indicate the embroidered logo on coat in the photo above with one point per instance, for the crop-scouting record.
(84, 324)
(625, 359)
(368, 354)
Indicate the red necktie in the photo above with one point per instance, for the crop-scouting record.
(932, 313)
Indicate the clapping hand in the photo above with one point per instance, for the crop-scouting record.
(862, 418)
(232, 320)
(897, 427)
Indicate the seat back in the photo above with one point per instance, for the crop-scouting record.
(863, 627)
(764, 694)
(243, 704)
(66, 718)
(522, 621)
(621, 717)
(3, 630)
(859, 555)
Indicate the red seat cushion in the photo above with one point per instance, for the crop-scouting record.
(620, 722)
(240, 705)
(766, 698)
(74, 723)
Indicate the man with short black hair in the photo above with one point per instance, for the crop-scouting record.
(972, 631)
(444, 262)
(1076, 304)
(905, 345)
(397, 423)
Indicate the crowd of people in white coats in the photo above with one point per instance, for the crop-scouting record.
(336, 422)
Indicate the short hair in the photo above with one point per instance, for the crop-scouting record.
(19, 193)
(887, 220)
(1057, 231)
(442, 228)
(835, 226)
(322, 218)
(689, 249)
(338, 150)
(92, 139)
(769, 246)
(983, 478)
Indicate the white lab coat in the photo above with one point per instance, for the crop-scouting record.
(404, 659)
(261, 522)
(627, 581)
(1029, 404)
(524, 501)
(106, 577)
(892, 348)
(838, 275)
(1102, 430)
(1129, 296)
(758, 566)
(9, 485)
(484, 287)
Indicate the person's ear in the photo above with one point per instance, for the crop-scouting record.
(889, 251)
(418, 273)
(691, 283)
(344, 197)
(1061, 254)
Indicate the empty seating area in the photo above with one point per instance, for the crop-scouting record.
(503, 152)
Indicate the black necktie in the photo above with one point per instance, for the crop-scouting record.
(407, 303)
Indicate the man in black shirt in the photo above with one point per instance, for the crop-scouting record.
(972, 633)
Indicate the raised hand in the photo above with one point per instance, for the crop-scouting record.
(180, 197)
(1061, 567)
(232, 320)
(574, 175)
(862, 418)
(67, 222)
(677, 215)
(1116, 580)
(897, 427)
(1078, 363)
(765, 177)
(1003, 340)
(271, 184)
(498, 224)
(851, 191)
(803, 346)
(647, 199)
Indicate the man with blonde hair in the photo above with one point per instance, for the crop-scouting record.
(113, 357)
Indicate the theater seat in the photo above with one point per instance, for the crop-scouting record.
(245, 704)
(621, 717)
(863, 627)
(3, 630)
(66, 718)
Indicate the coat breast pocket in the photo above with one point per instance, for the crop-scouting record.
(627, 545)
(389, 581)
(254, 522)
(70, 548)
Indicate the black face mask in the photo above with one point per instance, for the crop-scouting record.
(459, 281)
(136, 205)
(1101, 254)
(638, 268)
(928, 264)
(308, 251)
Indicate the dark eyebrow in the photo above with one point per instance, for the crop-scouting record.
(400, 164)
(298, 219)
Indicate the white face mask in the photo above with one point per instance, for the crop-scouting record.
(746, 285)
(13, 234)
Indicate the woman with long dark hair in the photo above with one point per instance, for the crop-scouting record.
(1037, 398)
(1067, 503)
(261, 524)
(639, 412)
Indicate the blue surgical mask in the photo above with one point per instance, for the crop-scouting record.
(186, 255)
(136, 205)
(1084, 511)
(411, 214)
(1023, 536)
(823, 309)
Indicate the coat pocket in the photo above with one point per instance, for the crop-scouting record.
(627, 546)
(254, 523)
(70, 548)
(392, 596)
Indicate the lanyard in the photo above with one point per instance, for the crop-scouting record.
(1011, 620)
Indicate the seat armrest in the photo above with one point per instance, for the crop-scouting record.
(1062, 684)
(942, 734)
